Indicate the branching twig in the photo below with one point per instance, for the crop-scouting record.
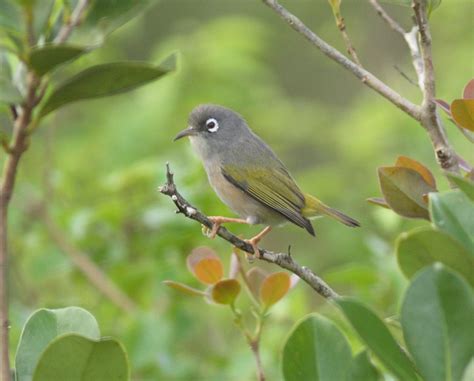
(386, 17)
(283, 260)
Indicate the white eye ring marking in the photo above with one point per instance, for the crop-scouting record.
(212, 125)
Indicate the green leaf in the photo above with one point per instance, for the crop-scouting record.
(403, 189)
(316, 350)
(46, 58)
(362, 369)
(42, 327)
(378, 338)
(225, 291)
(8, 92)
(453, 213)
(104, 80)
(464, 184)
(438, 325)
(76, 358)
(424, 246)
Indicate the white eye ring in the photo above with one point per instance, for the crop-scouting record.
(212, 125)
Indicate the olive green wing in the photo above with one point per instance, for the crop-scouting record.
(273, 187)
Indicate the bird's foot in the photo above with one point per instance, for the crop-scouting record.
(254, 241)
(217, 221)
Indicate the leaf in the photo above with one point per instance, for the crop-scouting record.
(403, 189)
(46, 58)
(379, 201)
(105, 80)
(453, 213)
(462, 111)
(209, 270)
(316, 350)
(424, 246)
(42, 327)
(468, 92)
(406, 162)
(8, 92)
(438, 325)
(225, 291)
(255, 278)
(273, 288)
(464, 184)
(362, 369)
(444, 105)
(183, 288)
(76, 358)
(378, 338)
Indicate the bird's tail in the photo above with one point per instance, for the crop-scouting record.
(314, 207)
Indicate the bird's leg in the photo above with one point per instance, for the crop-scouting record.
(217, 221)
(255, 240)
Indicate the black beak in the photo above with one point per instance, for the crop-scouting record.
(187, 132)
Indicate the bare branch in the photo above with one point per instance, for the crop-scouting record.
(386, 17)
(74, 20)
(365, 76)
(283, 260)
(411, 38)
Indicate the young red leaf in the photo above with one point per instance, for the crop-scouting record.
(273, 288)
(225, 291)
(406, 162)
(468, 92)
(183, 288)
(255, 278)
(462, 111)
(209, 270)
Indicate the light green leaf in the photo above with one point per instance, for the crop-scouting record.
(378, 338)
(46, 58)
(42, 327)
(438, 325)
(424, 246)
(8, 92)
(464, 184)
(76, 358)
(104, 80)
(316, 350)
(453, 213)
(362, 369)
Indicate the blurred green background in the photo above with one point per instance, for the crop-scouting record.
(106, 159)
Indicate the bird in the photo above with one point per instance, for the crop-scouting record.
(248, 176)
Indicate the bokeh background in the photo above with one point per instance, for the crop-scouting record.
(99, 163)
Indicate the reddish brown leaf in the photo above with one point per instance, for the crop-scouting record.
(444, 105)
(378, 201)
(225, 291)
(199, 253)
(468, 92)
(273, 288)
(406, 162)
(209, 270)
(255, 277)
(183, 288)
(462, 111)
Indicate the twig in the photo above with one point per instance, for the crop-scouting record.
(365, 76)
(74, 20)
(283, 260)
(386, 17)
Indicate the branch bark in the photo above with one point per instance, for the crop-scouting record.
(284, 260)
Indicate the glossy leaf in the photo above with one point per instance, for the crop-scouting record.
(438, 325)
(453, 213)
(378, 338)
(209, 270)
(468, 92)
(403, 189)
(273, 288)
(46, 58)
(42, 327)
(183, 288)
(316, 350)
(105, 80)
(462, 111)
(406, 162)
(76, 358)
(463, 183)
(225, 291)
(362, 369)
(424, 246)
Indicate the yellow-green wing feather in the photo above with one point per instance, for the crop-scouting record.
(273, 187)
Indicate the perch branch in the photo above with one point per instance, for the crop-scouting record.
(283, 260)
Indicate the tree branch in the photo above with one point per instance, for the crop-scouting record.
(386, 17)
(365, 76)
(74, 20)
(283, 260)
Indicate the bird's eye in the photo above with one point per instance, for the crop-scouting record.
(212, 125)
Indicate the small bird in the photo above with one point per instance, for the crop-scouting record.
(248, 176)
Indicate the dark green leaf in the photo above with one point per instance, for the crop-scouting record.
(424, 246)
(45, 58)
(438, 325)
(104, 80)
(453, 213)
(76, 358)
(316, 350)
(378, 338)
(42, 327)
(362, 369)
